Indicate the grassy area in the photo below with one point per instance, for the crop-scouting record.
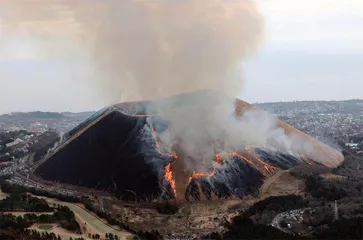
(45, 227)
(3, 195)
(131, 237)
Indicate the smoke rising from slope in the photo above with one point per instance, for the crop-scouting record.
(147, 50)
(151, 49)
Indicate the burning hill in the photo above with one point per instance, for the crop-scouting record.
(181, 147)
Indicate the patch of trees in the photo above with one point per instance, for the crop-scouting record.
(343, 229)
(167, 208)
(277, 204)
(352, 167)
(63, 215)
(330, 190)
(327, 190)
(244, 228)
(307, 171)
(349, 186)
(111, 236)
(27, 234)
(141, 234)
(24, 202)
(152, 235)
(66, 218)
(94, 236)
(108, 217)
(8, 188)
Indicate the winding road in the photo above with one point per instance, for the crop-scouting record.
(89, 220)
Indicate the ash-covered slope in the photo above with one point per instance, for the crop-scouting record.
(117, 150)
(107, 156)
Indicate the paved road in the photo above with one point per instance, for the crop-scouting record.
(93, 222)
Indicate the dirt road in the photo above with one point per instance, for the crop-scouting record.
(266, 185)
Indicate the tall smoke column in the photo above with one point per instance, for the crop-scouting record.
(144, 49)
(147, 50)
(152, 49)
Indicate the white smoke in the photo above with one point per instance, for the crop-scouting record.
(57, 143)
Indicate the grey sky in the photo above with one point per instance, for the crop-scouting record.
(313, 50)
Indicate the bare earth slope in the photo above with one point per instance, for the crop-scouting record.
(315, 149)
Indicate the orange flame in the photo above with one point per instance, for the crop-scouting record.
(219, 160)
(269, 168)
(169, 178)
(168, 175)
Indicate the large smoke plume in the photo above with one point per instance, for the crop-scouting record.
(147, 50)
(152, 49)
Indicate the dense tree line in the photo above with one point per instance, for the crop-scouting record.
(350, 185)
(8, 188)
(352, 167)
(167, 208)
(333, 189)
(63, 215)
(277, 204)
(108, 217)
(27, 234)
(252, 223)
(342, 229)
(24, 202)
(244, 228)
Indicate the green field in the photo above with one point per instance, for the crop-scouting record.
(45, 227)
(130, 237)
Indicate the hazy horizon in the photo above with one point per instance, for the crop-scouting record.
(312, 51)
(253, 103)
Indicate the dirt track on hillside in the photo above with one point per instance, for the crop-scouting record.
(271, 180)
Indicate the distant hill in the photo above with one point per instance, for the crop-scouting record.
(41, 121)
(31, 115)
(354, 107)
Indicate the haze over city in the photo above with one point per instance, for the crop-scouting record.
(310, 51)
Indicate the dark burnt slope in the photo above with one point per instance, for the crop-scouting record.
(235, 177)
(110, 156)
